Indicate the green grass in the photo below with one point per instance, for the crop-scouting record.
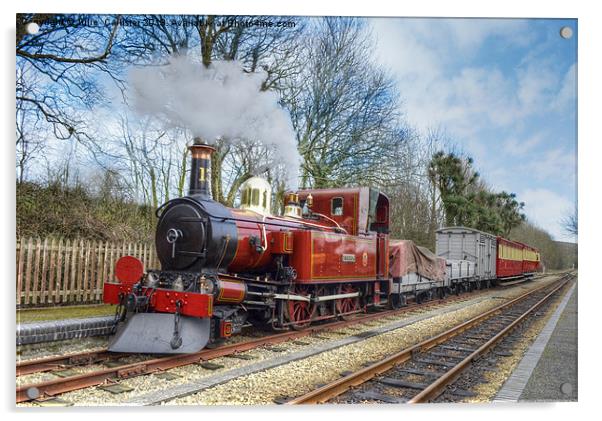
(59, 313)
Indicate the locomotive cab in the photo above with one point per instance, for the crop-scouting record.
(360, 211)
(378, 214)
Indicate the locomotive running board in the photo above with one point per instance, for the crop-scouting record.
(152, 333)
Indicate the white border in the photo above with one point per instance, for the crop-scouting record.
(589, 71)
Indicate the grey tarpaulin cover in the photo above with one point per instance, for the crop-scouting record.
(406, 257)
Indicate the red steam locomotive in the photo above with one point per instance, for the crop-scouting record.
(326, 257)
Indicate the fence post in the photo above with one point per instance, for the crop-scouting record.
(28, 270)
(36, 273)
(52, 271)
(67, 272)
(20, 270)
(80, 270)
(85, 289)
(104, 261)
(44, 270)
(59, 272)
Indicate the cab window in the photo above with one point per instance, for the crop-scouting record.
(337, 206)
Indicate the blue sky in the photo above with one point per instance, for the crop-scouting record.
(504, 90)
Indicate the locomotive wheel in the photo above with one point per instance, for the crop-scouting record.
(345, 305)
(300, 313)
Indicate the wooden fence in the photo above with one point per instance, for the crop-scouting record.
(58, 271)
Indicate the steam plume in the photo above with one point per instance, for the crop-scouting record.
(220, 101)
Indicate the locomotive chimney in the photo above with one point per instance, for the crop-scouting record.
(199, 168)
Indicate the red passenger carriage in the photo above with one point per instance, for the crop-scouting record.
(515, 259)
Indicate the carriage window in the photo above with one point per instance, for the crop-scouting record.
(265, 199)
(255, 197)
(244, 200)
(337, 206)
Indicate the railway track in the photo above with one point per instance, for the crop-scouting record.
(62, 362)
(153, 364)
(424, 371)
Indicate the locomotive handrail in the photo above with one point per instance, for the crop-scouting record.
(160, 208)
(331, 220)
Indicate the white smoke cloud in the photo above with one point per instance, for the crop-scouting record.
(220, 101)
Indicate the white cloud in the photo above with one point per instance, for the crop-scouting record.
(516, 146)
(568, 91)
(558, 164)
(437, 91)
(469, 34)
(547, 209)
(537, 84)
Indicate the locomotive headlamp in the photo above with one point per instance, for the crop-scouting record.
(178, 284)
(151, 280)
(206, 285)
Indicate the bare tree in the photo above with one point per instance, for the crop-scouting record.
(29, 140)
(62, 58)
(256, 48)
(343, 107)
(155, 160)
(570, 223)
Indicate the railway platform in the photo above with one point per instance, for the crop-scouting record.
(548, 370)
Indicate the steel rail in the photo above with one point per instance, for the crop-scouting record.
(88, 357)
(340, 386)
(61, 361)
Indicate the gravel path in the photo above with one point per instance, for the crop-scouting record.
(555, 375)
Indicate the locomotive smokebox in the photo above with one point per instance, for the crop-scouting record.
(196, 233)
(199, 168)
